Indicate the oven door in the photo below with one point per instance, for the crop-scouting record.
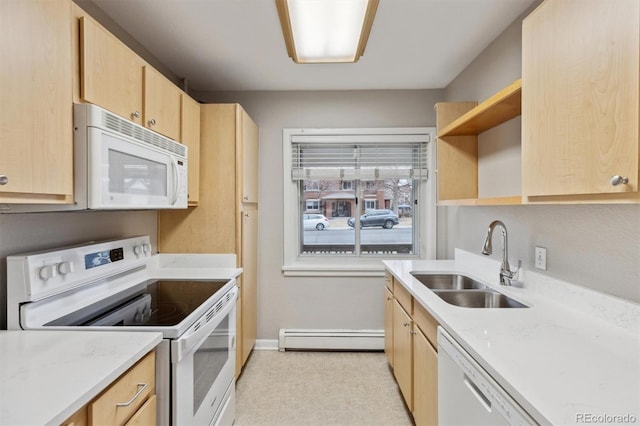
(203, 364)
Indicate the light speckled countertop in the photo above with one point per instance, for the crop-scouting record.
(573, 351)
(46, 376)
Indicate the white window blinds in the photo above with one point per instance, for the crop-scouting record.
(350, 157)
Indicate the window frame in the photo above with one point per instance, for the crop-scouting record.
(296, 264)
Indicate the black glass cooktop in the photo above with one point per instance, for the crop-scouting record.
(151, 303)
(173, 301)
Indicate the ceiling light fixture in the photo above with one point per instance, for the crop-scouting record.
(323, 31)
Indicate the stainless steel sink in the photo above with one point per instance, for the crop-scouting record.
(479, 299)
(447, 281)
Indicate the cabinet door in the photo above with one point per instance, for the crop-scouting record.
(425, 381)
(388, 325)
(580, 103)
(249, 168)
(161, 104)
(190, 136)
(79, 418)
(111, 72)
(249, 281)
(36, 121)
(403, 352)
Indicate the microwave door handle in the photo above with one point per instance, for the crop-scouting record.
(176, 177)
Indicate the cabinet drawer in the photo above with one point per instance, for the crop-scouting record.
(388, 281)
(403, 297)
(132, 388)
(427, 324)
(146, 415)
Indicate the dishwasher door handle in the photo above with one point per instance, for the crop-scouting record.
(486, 403)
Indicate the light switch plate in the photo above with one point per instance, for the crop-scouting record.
(541, 258)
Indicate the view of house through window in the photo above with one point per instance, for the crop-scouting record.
(380, 209)
(359, 194)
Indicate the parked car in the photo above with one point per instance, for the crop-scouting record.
(315, 221)
(382, 217)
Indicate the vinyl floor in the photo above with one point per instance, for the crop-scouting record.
(319, 389)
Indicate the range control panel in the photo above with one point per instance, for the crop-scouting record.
(38, 275)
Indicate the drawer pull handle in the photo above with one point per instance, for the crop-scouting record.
(141, 388)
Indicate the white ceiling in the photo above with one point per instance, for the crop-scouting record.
(238, 44)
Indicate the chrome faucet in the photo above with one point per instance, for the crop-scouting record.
(506, 274)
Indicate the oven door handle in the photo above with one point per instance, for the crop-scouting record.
(185, 345)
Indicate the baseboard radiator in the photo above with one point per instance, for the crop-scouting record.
(345, 340)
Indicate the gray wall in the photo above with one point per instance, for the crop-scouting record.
(304, 302)
(596, 246)
(20, 233)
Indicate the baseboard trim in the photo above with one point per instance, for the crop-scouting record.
(266, 345)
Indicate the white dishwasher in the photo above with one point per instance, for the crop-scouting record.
(468, 395)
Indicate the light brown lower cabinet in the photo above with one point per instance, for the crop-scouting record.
(425, 380)
(411, 348)
(403, 352)
(130, 400)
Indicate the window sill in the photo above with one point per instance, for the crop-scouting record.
(363, 268)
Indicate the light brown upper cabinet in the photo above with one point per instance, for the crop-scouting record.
(580, 101)
(190, 136)
(116, 78)
(36, 120)
(111, 73)
(161, 104)
(249, 155)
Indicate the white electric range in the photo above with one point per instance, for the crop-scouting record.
(120, 285)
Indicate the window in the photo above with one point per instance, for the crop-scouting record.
(373, 189)
(370, 204)
(312, 205)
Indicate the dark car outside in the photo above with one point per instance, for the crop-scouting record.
(383, 217)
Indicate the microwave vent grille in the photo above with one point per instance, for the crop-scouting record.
(122, 126)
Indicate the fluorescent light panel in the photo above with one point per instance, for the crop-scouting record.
(326, 30)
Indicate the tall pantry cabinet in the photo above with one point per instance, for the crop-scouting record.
(226, 219)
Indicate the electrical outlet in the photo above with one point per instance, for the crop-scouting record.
(541, 258)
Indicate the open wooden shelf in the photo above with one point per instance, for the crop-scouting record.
(459, 124)
(501, 107)
(494, 201)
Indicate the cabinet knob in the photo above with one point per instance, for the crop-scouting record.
(135, 114)
(412, 332)
(389, 298)
(617, 180)
(152, 122)
(406, 324)
(246, 198)
(4, 180)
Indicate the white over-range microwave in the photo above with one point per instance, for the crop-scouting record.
(120, 165)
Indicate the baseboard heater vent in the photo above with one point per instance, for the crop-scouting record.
(345, 340)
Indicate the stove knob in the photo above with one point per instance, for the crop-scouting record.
(146, 248)
(65, 268)
(48, 271)
(137, 250)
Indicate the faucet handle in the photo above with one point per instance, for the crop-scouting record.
(507, 275)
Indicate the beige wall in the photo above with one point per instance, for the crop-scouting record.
(297, 302)
(596, 246)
